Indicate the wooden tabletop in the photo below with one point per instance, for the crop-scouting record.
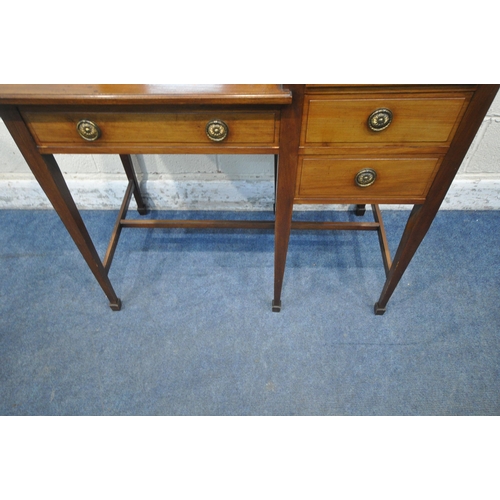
(144, 94)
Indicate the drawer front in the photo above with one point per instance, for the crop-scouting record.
(395, 180)
(246, 128)
(335, 120)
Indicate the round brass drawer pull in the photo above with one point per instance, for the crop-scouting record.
(380, 119)
(365, 177)
(88, 130)
(217, 130)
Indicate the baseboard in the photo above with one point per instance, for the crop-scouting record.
(466, 193)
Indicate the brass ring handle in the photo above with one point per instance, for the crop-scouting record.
(217, 130)
(380, 119)
(365, 178)
(88, 130)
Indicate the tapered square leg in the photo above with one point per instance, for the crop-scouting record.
(49, 176)
(129, 170)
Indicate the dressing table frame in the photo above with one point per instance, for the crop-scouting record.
(315, 133)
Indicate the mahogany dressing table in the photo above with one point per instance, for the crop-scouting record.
(352, 144)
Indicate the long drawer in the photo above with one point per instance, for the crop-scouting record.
(81, 128)
(365, 180)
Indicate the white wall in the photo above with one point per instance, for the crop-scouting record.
(219, 181)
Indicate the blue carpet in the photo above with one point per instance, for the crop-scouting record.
(196, 335)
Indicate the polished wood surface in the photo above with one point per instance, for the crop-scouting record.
(422, 216)
(328, 179)
(291, 123)
(318, 134)
(415, 89)
(105, 94)
(51, 180)
(428, 118)
(56, 130)
(135, 119)
(416, 157)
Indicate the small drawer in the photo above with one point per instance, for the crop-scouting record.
(365, 180)
(107, 129)
(381, 119)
